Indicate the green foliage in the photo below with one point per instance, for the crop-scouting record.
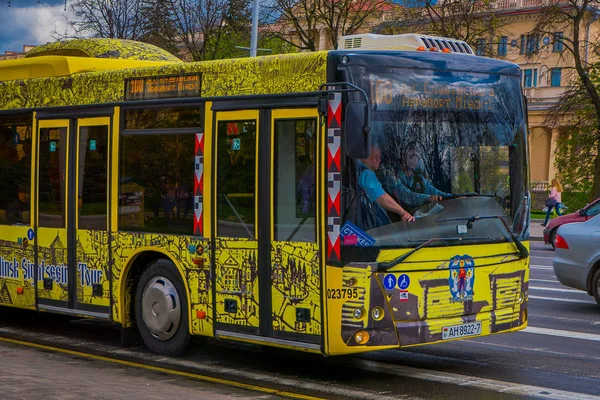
(574, 200)
(574, 158)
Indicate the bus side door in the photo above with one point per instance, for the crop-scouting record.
(71, 211)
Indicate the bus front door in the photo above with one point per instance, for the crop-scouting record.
(71, 208)
(294, 240)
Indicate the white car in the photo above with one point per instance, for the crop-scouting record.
(577, 259)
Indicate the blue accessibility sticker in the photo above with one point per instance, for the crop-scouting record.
(30, 234)
(352, 235)
(403, 281)
(389, 282)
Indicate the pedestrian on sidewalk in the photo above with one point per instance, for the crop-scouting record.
(554, 200)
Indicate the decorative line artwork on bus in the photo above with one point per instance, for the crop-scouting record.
(296, 278)
(415, 319)
(17, 269)
(179, 248)
(236, 269)
(268, 75)
(107, 48)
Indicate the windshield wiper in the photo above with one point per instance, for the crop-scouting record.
(386, 265)
(522, 249)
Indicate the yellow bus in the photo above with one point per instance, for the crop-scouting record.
(374, 197)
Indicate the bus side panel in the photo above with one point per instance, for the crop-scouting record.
(296, 279)
(17, 267)
(349, 289)
(92, 267)
(183, 251)
(53, 263)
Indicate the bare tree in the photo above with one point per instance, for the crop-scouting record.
(466, 20)
(118, 19)
(302, 22)
(346, 17)
(294, 21)
(568, 23)
(203, 27)
(159, 25)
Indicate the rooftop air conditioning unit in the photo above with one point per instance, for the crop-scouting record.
(369, 41)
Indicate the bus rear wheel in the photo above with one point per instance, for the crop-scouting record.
(161, 309)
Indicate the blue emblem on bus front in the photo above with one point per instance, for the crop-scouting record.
(462, 278)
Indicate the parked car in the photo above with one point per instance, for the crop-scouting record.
(577, 259)
(587, 212)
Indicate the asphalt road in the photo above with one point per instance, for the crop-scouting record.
(557, 357)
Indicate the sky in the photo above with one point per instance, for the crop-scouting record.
(29, 22)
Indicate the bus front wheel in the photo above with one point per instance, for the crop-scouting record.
(161, 309)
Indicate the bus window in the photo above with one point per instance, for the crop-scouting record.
(163, 118)
(15, 168)
(93, 160)
(295, 177)
(52, 177)
(156, 183)
(236, 178)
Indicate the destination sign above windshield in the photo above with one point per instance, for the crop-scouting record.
(163, 87)
(427, 95)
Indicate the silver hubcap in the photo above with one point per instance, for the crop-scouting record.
(161, 308)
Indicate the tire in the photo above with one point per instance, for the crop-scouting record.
(161, 309)
(596, 286)
(552, 237)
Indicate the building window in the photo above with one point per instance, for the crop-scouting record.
(502, 45)
(15, 168)
(522, 51)
(530, 77)
(480, 48)
(533, 43)
(557, 46)
(555, 77)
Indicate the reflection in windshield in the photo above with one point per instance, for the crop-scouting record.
(445, 145)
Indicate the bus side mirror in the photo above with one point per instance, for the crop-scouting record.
(357, 130)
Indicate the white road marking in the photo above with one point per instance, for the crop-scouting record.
(538, 349)
(558, 290)
(544, 280)
(567, 334)
(563, 300)
(537, 266)
(475, 382)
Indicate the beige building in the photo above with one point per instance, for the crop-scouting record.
(13, 55)
(544, 64)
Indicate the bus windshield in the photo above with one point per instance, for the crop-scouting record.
(446, 146)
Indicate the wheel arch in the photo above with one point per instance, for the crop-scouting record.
(135, 265)
(591, 274)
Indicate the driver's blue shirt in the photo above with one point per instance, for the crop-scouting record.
(370, 184)
(371, 215)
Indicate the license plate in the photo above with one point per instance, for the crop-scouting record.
(456, 331)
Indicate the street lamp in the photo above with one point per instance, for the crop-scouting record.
(254, 37)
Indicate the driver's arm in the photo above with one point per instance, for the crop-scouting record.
(386, 201)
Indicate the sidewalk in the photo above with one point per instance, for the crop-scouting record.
(536, 231)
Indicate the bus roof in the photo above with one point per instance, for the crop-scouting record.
(56, 66)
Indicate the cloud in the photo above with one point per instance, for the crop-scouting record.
(32, 25)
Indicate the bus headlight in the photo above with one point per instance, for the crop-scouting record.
(358, 313)
(361, 337)
(377, 313)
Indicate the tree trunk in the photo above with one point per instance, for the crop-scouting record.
(596, 185)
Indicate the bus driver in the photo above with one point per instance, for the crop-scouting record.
(375, 200)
